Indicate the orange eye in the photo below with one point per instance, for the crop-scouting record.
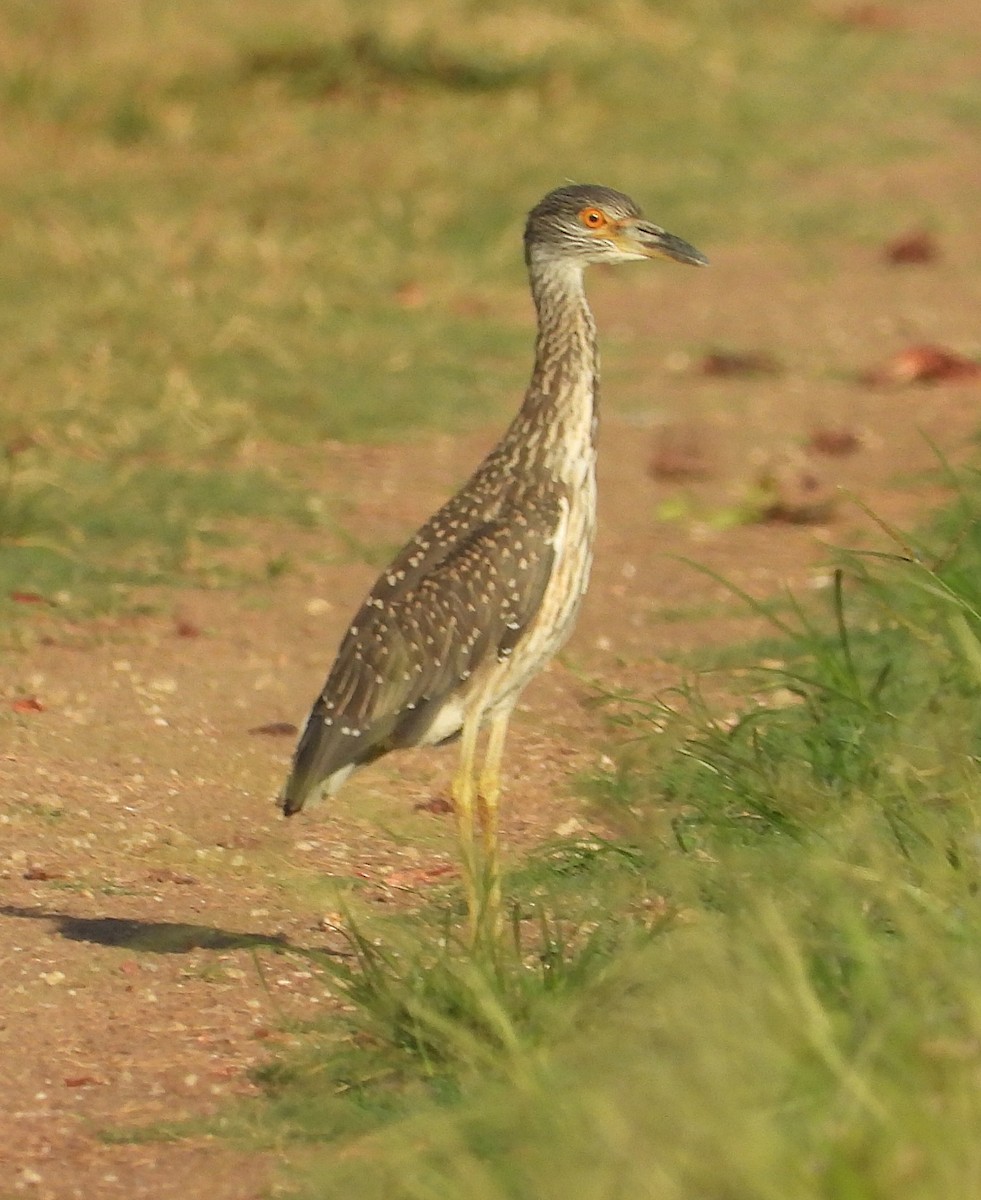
(592, 218)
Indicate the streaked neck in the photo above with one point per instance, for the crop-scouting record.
(565, 350)
(557, 421)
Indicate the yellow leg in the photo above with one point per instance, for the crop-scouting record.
(464, 800)
(488, 809)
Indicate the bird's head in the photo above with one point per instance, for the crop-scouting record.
(587, 223)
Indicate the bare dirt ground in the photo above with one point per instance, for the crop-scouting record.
(147, 878)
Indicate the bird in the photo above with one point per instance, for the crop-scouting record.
(487, 590)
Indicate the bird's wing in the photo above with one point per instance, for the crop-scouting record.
(419, 636)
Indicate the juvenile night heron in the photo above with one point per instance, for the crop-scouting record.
(487, 590)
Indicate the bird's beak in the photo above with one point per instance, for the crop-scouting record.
(651, 241)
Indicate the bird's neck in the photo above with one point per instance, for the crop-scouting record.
(562, 399)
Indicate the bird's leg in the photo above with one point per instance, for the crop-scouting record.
(464, 799)
(488, 807)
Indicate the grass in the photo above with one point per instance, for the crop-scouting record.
(84, 530)
(768, 982)
(301, 225)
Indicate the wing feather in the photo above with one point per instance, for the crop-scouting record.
(461, 593)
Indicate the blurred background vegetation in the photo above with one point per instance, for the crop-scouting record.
(230, 224)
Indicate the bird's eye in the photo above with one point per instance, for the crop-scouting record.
(592, 218)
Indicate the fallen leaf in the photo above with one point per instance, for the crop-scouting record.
(165, 875)
(728, 362)
(275, 729)
(410, 295)
(917, 246)
(923, 364)
(39, 874)
(470, 306)
(416, 877)
(27, 704)
(438, 804)
(834, 442)
(680, 452)
(869, 16)
(75, 1081)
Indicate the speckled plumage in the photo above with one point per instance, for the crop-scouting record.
(488, 589)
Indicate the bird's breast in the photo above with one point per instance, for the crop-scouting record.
(572, 545)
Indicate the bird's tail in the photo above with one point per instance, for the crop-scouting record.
(293, 796)
(318, 770)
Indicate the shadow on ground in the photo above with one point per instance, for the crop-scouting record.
(157, 937)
